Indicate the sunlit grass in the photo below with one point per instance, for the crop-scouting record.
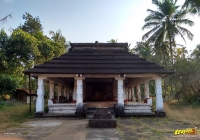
(183, 113)
(12, 114)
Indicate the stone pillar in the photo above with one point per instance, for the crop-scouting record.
(138, 93)
(51, 90)
(146, 89)
(129, 94)
(159, 98)
(59, 91)
(125, 94)
(74, 90)
(40, 95)
(68, 92)
(84, 90)
(65, 92)
(79, 93)
(80, 110)
(133, 94)
(120, 92)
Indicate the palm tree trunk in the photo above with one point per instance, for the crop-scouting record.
(170, 45)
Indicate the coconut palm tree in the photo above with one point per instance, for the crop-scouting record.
(181, 52)
(165, 23)
(196, 52)
(194, 5)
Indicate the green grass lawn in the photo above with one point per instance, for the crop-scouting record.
(14, 113)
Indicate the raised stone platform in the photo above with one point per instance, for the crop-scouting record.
(102, 119)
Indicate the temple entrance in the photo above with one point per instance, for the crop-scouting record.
(99, 91)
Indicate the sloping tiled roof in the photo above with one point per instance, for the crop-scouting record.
(101, 58)
(27, 91)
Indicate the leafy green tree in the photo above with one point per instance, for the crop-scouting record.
(45, 47)
(143, 49)
(31, 25)
(21, 50)
(193, 5)
(112, 41)
(3, 42)
(165, 23)
(57, 37)
(59, 41)
(8, 85)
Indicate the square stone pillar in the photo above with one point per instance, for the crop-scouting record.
(80, 110)
(74, 91)
(79, 93)
(159, 98)
(146, 89)
(51, 90)
(138, 93)
(120, 91)
(40, 95)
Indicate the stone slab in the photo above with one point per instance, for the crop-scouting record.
(102, 116)
(102, 123)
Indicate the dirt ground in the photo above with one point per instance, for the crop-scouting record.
(134, 128)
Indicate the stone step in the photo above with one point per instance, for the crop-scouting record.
(138, 111)
(137, 107)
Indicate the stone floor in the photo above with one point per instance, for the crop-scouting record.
(77, 129)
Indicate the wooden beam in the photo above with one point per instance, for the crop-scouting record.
(58, 81)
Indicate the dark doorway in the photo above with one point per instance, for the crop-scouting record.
(99, 91)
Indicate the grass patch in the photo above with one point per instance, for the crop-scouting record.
(14, 113)
(183, 113)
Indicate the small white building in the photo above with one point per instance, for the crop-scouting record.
(99, 72)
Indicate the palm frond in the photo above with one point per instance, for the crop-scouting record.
(145, 36)
(150, 25)
(185, 31)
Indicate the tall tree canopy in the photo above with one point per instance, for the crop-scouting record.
(165, 23)
(193, 5)
(31, 25)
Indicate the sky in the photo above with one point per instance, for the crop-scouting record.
(87, 21)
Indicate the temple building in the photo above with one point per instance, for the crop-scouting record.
(93, 73)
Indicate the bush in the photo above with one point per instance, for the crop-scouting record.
(8, 85)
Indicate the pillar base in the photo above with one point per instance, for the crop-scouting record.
(81, 109)
(39, 114)
(118, 109)
(160, 113)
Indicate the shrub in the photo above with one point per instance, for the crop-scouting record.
(8, 85)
